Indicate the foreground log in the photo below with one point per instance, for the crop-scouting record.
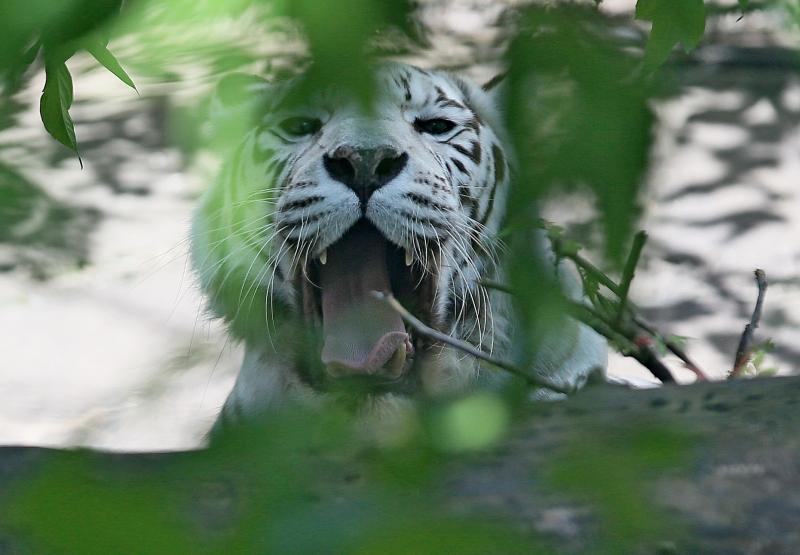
(708, 468)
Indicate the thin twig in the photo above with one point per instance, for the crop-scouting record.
(745, 348)
(643, 354)
(463, 346)
(629, 271)
(671, 346)
(594, 271)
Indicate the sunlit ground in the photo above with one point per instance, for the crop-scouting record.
(102, 331)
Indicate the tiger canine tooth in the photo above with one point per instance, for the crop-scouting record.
(323, 257)
(409, 258)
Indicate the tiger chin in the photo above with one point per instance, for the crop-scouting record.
(324, 203)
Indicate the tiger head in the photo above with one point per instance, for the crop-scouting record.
(326, 202)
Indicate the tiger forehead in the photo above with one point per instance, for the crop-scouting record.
(415, 87)
(405, 88)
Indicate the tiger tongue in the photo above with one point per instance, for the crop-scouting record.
(362, 335)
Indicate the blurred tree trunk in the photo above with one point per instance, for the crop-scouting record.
(733, 485)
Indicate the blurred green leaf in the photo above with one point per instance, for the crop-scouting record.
(475, 422)
(342, 58)
(21, 24)
(55, 103)
(610, 467)
(674, 22)
(107, 59)
(77, 19)
(71, 510)
(579, 117)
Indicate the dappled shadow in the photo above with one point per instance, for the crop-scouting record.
(39, 233)
(726, 182)
(111, 140)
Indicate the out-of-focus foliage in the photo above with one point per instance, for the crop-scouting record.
(55, 31)
(674, 22)
(577, 108)
(342, 58)
(564, 69)
(607, 468)
(291, 483)
(579, 118)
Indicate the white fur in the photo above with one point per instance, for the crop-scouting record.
(243, 245)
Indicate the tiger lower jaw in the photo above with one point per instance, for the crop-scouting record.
(363, 341)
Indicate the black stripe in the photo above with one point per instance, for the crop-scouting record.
(499, 163)
(279, 167)
(474, 154)
(499, 176)
(427, 202)
(305, 220)
(423, 221)
(406, 87)
(302, 203)
(466, 198)
(474, 124)
(448, 103)
(457, 163)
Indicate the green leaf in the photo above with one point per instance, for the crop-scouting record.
(343, 58)
(744, 4)
(107, 59)
(674, 21)
(55, 103)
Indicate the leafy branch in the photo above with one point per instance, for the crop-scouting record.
(619, 320)
(56, 35)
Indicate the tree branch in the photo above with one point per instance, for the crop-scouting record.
(628, 272)
(642, 353)
(426, 331)
(745, 348)
(672, 347)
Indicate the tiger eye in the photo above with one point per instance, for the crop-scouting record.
(299, 126)
(436, 126)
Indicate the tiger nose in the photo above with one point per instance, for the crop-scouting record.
(365, 170)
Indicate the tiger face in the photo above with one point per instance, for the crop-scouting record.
(400, 200)
(326, 202)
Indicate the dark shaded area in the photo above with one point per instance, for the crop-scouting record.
(688, 308)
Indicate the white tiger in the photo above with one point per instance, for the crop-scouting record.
(324, 203)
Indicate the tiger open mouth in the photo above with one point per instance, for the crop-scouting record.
(363, 340)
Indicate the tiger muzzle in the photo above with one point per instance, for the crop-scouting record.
(364, 170)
